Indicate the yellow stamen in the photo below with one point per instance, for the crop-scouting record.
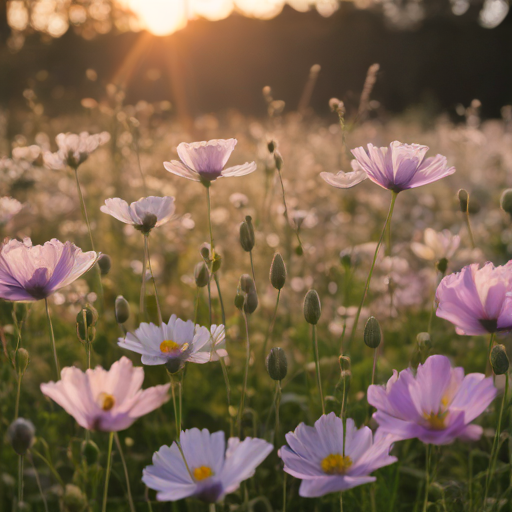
(336, 464)
(436, 421)
(168, 346)
(202, 472)
(106, 401)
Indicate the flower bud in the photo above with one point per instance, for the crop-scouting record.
(372, 333)
(105, 264)
(21, 359)
(239, 300)
(278, 159)
(312, 307)
(21, 434)
(346, 259)
(271, 145)
(148, 223)
(423, 339)
(122, 309)
(90, 452)
(201, 275)
(217, 262)
(74, 499)
(174, 365)
(90, 314)
(277, 272)
(299, 251)
(499, 360)
(246, 285)
(205, 252)
(506, 201)
(463, 200)
(442, 265)
(247, 239)
(277, 365)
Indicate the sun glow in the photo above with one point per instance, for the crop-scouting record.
(160, 17)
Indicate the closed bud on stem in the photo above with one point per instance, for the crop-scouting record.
(201, 275)
(277, 272)
(122, 309)
(372, 334)
(21, 434)
(277, 365)
(74, 499)
(506, 201)
(248, 291)
(148, 223)
(174, 365)
(217, 262)
(85, 321)
(247, 238)
(21, 359)
(499, 360)
(90, 452)
(312, 307)
(463, 196)
(442, 265)
(423, 339)
(278, 159)
(271, 145)
(346, 259)
(205, 252)
(105, 264)
(239, 300)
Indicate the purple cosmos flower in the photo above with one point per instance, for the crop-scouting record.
(346, 179)
(205, 161)
(477, 300)
(211, 471)
(401, 166)
(30, 273)
(144, 214)
(436, 406)
(105, 400)
(316, 456)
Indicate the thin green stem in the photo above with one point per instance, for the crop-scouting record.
(196, 304)
(470, 231)
(228, 391)
(271, 326)
(20, 479)
(286, 209)
(252, 268)
(341, 502)
(212, 507)
(126, 475)
(491, 343)
(38, 481)
(427, 475)
(142, 302)
(278, 405)
(246, 373)
(317, 367)
(374, 365)
(146, 248)
(107, 471)
(52, 338)
(368, 280)
(148, 501)
(209, 208)
(177, 419)
(223, 312)
(284, 492)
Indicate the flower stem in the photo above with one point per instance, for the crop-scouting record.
(284, 491)
(209, 208)
(317, 366)
(427, 475)
(107, 471)
(196, 305)
(146, 248)
(20, 479)
(223, 312)
(212, 507)
(374, 365)
(18, 393)
(244, 389)
(127, 477)
(52, 338)
(277, 404)
(252, 268)
(286, 210)
(271, 326)
(142, 302)
(491, 343)
(38, 481)
(369, 278)
(177, 417)
(470, 231)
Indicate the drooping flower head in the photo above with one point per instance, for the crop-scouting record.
(401, 166)
(144, 214)
(477, 300)
(346, 179)
(437, 245)
(74, 149)
(205, 161)
(316, 456)
(210, 471)
(30, 273)
(175, 343)
(109, 401)
(437, 405)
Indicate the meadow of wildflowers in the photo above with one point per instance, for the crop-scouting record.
(300, 338)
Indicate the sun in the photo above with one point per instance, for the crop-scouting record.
(160, 17)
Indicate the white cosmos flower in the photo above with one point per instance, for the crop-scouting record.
(205, 161)
(346, 179)
(438, 245)
(175, 343)
(144, 214)
(74, 149)
(9, 207)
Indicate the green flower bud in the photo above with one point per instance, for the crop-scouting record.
(277, 272)
(205, 252)
(174, 365)
(506, 201)
(423, 339)
(90, 452)
(201, 275)
(217, 262)
(148, 223)
(239, 301)
(299, 251)
(246, 285)
(372, 333)
(247, 239)
(21, 434)
(122, 309)
(85, 321)
(499, 360)
(21, 359)
(463, 196)
(271, 145)
(312, 307)
(105, 264)
(442, 265)
(74, 499)
(346, 259)
(278, 160)
(277, 365)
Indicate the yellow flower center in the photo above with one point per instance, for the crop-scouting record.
(168, 346)
(106, 401)
(202, 472)
(336, 464)
(436, 421)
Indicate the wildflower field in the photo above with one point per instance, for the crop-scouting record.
(235, 325)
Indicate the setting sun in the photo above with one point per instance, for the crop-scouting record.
(160, 17)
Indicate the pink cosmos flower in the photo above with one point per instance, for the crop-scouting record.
(30, 273)
(105, 400)
(205, 161)
(401, 166)
(346, 179)
(477, 300)
(437, 405)
(316, 456)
